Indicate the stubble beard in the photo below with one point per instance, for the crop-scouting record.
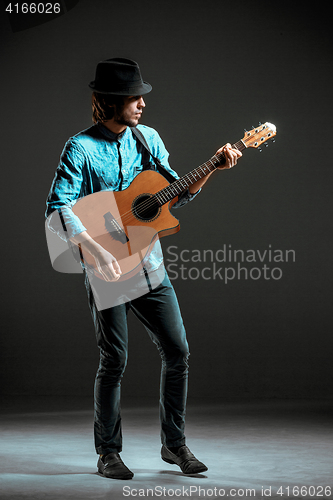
(123, 118)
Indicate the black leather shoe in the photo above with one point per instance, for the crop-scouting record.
(185, 459)
(112, 466)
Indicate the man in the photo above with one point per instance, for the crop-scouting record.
(108, 156)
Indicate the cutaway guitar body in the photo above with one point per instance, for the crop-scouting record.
(127, 223)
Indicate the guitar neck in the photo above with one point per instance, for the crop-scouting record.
(178, 186)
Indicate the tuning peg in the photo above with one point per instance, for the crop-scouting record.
(259, 123)
(260, 150)
(273, 140)
(245, 130)
(266, 144)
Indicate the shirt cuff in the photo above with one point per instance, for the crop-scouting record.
(184, 198)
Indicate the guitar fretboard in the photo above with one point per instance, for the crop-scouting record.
(175, 188)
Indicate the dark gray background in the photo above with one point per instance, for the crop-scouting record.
(216, 67)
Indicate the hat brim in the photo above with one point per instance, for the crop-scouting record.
(141, 89)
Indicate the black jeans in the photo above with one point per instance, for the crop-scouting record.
(159, 312)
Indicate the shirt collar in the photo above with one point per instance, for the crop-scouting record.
(111, 135)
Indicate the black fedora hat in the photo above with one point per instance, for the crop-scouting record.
(119, 76)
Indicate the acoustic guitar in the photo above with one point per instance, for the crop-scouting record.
(128, 223)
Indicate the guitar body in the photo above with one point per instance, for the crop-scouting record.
(127, 223)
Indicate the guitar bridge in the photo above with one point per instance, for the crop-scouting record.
(115, 230)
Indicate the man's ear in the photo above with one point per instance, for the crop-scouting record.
(113, 106)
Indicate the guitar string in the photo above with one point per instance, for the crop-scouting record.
(174, 186)
(163, 196)
(155, 199)
(169, 190)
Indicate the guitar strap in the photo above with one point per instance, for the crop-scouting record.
(163, 171)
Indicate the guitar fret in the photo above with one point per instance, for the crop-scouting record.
(158, 197)
(171, 192)
(164, 196)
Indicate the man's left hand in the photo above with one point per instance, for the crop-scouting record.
(231, 156)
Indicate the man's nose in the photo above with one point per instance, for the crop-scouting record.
(141, 103)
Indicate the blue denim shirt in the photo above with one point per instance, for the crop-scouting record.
(96, 159)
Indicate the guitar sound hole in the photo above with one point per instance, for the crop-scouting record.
(145, 208)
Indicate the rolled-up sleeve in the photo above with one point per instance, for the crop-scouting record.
(66, 188)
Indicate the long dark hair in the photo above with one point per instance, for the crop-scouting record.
(102, 106)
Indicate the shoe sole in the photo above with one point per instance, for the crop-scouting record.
(168, 461)
(128, 476)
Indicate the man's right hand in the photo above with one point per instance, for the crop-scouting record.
(106, 264)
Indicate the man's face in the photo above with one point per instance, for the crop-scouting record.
(130, 112)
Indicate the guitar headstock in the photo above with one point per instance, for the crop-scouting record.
(258, 135)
